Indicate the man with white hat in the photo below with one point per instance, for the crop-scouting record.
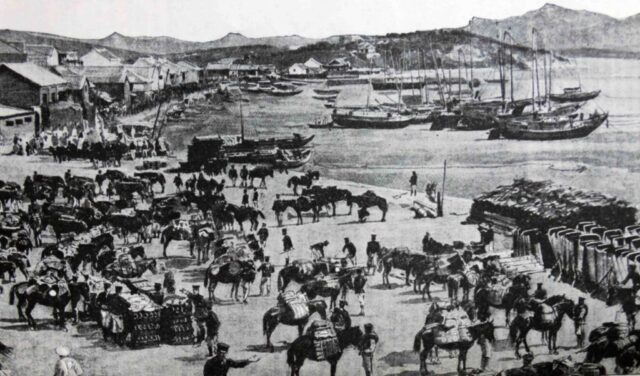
(66, 365)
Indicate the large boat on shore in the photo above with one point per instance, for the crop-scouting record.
(546, 128)
(574, 94)
(371, 119)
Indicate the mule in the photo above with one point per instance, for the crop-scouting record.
(247, 274)
(367, 200)
(275, 316)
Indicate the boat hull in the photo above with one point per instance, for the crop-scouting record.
(574, 97)
(346, 121)
(513, 133)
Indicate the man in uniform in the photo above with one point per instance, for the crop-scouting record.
(263, 235)
(340, 317)
(287, 246)
(580, 313)
(255, 198)
(367, 348)
(276, 209)
(350, 248)
(318, 249)
(200, 313)
(213, 326)
(632, 276)
(425, 243)
(177, 181)
(219, 365)
(266, 269)
(157, 296)
(358, 287)
(373, 249)
(245, 198)
(66, 365)
(540, 294)
(244, 174)
(233, 174)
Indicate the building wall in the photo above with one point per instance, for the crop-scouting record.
(54, 59)
(13, 58)
(17, 92)
(92, 58)
(190, 77)
(116, 91)
(297, 70)
(19, 124)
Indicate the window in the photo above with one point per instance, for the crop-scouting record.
(9, 123)
(18, 121)
(27, 120)
(45, 99)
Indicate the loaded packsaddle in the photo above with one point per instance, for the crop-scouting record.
(296, 303)
(325, 339)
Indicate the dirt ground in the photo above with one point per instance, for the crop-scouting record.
(396, 313)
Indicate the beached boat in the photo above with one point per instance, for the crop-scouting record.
(574, 94)
(371, 119)
(326, 91)
(292, 158)
(546, 129)
(321, 123)
(326, 97)
(284, 92)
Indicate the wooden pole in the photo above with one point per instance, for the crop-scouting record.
(444, 180)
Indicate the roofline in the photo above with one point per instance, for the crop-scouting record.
(66, 83)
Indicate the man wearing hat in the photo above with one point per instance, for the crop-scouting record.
(317, 249)
(177, 181)
(157, 296)
(367, 348)
(287, 246)
(580, 313)
(213, 326)
(266, 268)
(350, 248)
(373, 249)
(66, 365)
(263, 235)
(358, 287)
(527, 365)
(540, 294)
(200, 313)
(233, 175)
(219, 365)
(244, 174)
(277, 208)
(340, 317)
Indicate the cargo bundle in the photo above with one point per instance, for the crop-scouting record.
(143, 321)
(176, 328)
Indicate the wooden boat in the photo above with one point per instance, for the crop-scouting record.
(552, 129)
(292, 158)
(253, 88)
(321, 124)
(288, 92)
(574, 94)
(326, 91)
(326, 97)
(371, 119)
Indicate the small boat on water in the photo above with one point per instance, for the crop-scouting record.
(284, 90)
(574, 94)
(546, 128)
(326, 97)
(326, 91)
(371, 119)
(322, 123)
(292, 158)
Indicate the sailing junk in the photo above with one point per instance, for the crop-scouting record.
(574, 94)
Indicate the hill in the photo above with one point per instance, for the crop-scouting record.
(566, 29)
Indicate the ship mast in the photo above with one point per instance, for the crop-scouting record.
(435, 66)
(459, 76)
(533, 70)
(510, 61)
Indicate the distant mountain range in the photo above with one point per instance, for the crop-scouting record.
(566, 29)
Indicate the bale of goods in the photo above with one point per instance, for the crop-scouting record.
(143, 321)
(175, 322)
(542, 205)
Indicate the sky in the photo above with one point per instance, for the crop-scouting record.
(203, 20)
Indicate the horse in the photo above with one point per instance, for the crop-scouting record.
(108, 256)
(153, 178)
(427, 339)
(173, 232)
(300, 271)
(300, 205)
(276, 315)
(296, 181)
(206, 186)
(125, 189)
(303, 348)
(31, 294)
(261, 172)
(322, 287)
(21, 262)
(245, 213)
(512, 294)
(62, 226)
(367, 200)
(128, 224)
(521, 326)
(247, 273)
(112, 271)
(627, 297)
(399, 258)
(466, 279)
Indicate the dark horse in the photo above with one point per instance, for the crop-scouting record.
(367, 200)
(303, 348)
(399, 258)
(153, 177)
(326, 289)
(520, 326)
(222, 274)
(275, 316)
(300, 271)
(246, 213)
(300, 205)
(173, 232)
(328, 196)
(626, 297)
(31, 294)
(427, 338)
(295, 181)
(515, 292)
(261, 172)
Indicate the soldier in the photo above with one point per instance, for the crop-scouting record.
(67, 176)
(233, 174)
(177, 181)
(255, 197)
(340, 317)
(200, 312)
(287, 246)
(413, 182)
(219, 365)
(213, 326)
(373, 249)
(266, 269)
(276, 209)
(244, 174)
(486, 350)
(66, 365)
(318, 249)
(367, 348)
(245, 198)
(157, 295)
(540, 294)
(425, 242)
(580, 313)
(358, 287)
(633, 276)
(263, 235)
(350, 248)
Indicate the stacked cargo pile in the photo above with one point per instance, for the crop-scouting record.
(175, 325)
(542, 204)
(143, 319)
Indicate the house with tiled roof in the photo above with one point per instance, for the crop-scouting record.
(42, 54)
(117, 81)
(100, 57)
(11, 54)
(191, 74)
(79, 85)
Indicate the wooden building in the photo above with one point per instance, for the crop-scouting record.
(100, 57)
(11, 54)
(42, 54)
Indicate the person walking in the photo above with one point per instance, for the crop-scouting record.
(350, 248)
(245, 198)
(66, 365)
(200, 313)
(287, 246)
(367, 348)
(244, 174)
(358, 287)
(580, 313)
(267, 270)
(233, 175)
(263, 235)
(219, 365)
(413, 182)
(177, 181)
(256, 197)
(212, 323)
(373, 250)
(486, 350)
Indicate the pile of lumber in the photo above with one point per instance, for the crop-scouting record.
(542, 204)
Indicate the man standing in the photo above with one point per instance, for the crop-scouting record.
(233, 174)
(367, 348)
(358, 287)
(413, 182)
(256, 196)
(245, 198)
(177, 181)
(277, 209)
(244, 174)
(350, 248)
(200, 313)
(66, 365)
(373, 249)
(287, 246)
(266, 269)
(425, 243)
(263, 235)
(213, 326)
(219, 365)
(317, 250)
(540, 293)
(580, 313)
(486, 351)
(157, 296)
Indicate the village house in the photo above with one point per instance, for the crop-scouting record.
(11, 54)
(42, 54)
(313, 64)
(14, 120)
(69, 57)
(366, 48)
(192, 73)
(169, 73)
(79, 86)
(340, 64)
(117, 82)
(297, 69)
(151, 74)
(100, 57)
